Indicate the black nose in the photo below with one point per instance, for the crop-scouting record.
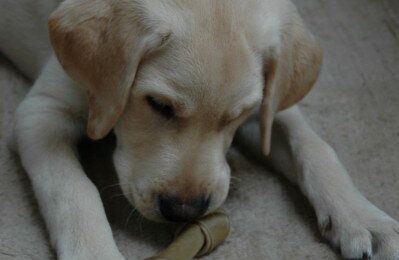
(175, 209)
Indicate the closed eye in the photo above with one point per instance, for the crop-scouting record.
(161, 108)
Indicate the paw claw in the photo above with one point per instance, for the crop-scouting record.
(355, 242)
(366, 256)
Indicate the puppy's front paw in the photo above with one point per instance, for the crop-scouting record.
(91, 254)
(84, 256)
(361, 232)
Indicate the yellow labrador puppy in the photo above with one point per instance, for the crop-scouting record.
(175, 79)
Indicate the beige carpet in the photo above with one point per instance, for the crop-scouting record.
(355, 107)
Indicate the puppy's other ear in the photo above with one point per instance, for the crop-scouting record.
(290, 74)
(100, 46)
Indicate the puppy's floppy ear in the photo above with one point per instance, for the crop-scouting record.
(100, 46)
(290, 74)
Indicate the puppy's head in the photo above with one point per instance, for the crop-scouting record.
(175, 79)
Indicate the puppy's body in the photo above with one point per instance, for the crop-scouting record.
(198, 70)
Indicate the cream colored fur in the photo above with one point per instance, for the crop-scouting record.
(216, 63)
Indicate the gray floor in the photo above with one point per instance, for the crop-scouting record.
(355, 107)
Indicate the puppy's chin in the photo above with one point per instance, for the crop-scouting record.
(146, 208)
(150, 213)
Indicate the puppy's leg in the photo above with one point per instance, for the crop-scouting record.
(46, 131)
(346, 218)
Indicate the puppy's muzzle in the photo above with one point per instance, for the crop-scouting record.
(176, 209)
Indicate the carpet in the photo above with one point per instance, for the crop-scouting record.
(354, 107)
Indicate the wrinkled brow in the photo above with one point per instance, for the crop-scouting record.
(243, 107)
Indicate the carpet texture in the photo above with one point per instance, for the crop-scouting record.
(354, 107)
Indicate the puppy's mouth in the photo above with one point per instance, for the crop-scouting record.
(164, 207)
(175, 209)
